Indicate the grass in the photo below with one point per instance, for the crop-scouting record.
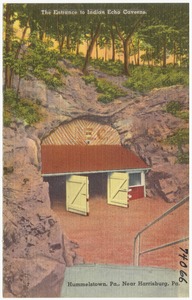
(108, 91)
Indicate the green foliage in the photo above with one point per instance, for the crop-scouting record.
(90, 79)
(40, 59)
(184, 114)
(144, 79)
(104, 86)
(24, 109)
(108, 91)
(76, 60)
(180, 138)
(105, 98)
(175, 108)
(51, 80)
(183, 158)
(110, 67)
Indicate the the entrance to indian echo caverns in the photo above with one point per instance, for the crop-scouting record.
(57, 188)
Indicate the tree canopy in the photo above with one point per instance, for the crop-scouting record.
(149, 32)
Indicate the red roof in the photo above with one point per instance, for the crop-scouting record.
(69, 158)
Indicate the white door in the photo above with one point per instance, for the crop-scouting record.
(77, 194)
(117, 189)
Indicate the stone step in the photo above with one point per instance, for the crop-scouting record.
(95, 280)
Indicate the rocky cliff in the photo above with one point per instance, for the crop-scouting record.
(36, 252)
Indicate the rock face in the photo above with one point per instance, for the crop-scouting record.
(144, 126)
(36, 252)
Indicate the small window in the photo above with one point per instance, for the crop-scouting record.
(135, 179)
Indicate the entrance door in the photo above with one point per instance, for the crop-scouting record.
(77, 194)
(117, 189)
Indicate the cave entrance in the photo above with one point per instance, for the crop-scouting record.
(57, 188)
(84, 160)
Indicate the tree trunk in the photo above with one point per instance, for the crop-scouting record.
(77, 48)
(126, 57)
(97, 50)
(164, 52)
(138, 52)
(90, 48)
(113, 46)
(68, 42)
(41, 35)
(8, 33)
(174, 54)
(105, 52)
(22, 40)
(61, 43)
(148, 59)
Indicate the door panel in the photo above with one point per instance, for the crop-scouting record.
(117, 189)
(77, 194)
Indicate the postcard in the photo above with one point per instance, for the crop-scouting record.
(95, 150)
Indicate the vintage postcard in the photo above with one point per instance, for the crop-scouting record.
(95, 149)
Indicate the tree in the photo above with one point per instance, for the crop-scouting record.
(8, 13)
(166, 31)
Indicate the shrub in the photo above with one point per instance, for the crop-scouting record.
(108, 90)
(144, 78)
(110, 67)
(24, 109)
(179, 139)
(38, 60)
(89, 79)
(105, 98)
(76, 60)
(173, 107)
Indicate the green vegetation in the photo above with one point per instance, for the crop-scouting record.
(175, 108)
(76, 60)
(180, 138)
(23, 109)
(110, 67)
(39, 60)
(108, 91)
(161, 32)
(144, 79)
(183, 158)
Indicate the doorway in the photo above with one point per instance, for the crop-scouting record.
(57, 188)
(73, 192)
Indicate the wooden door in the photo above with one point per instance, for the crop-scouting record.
(117, 189)
(77, 194)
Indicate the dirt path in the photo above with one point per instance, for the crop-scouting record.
(107, 234)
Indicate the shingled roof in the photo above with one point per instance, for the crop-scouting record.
(60, 159)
